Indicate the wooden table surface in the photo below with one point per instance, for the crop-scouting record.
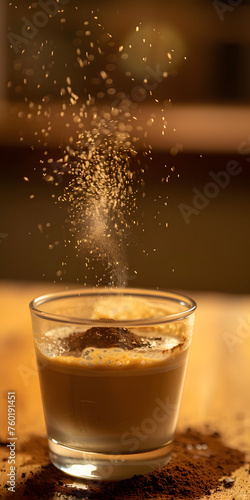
(216, 391)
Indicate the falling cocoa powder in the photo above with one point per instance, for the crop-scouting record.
(198, 463)
(103, 337)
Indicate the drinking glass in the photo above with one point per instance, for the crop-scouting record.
(111, 364)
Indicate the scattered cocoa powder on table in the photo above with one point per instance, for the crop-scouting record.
(198, 463)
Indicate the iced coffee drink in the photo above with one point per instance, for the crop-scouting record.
(111, 385)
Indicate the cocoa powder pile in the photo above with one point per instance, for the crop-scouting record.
(198, 463)
(102, 337)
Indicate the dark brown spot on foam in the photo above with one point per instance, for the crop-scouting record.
(103, 337)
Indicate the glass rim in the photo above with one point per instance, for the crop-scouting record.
(182, 299)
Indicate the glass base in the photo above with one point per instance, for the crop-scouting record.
(105, 467)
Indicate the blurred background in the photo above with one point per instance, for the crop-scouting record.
(196, 225)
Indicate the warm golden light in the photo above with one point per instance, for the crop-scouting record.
(148, 46)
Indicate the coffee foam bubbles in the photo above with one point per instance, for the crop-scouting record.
(165, 339)
(117, 357)
(54, 347)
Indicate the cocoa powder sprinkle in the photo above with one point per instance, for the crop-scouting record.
(103, 337)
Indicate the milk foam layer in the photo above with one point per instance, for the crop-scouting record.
(54, 346)
(161, 340)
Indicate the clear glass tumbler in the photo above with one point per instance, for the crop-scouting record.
(111, 364)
